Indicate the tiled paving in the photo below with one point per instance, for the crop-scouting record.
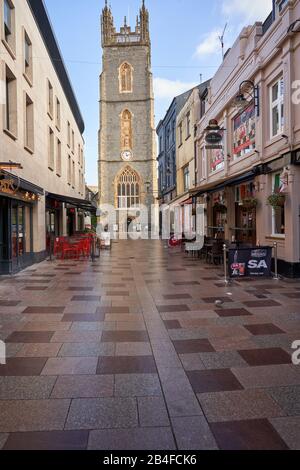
(133, 352)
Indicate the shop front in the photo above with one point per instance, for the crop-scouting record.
(66, 215)
(18, 200)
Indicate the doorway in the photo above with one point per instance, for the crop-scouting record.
(246, 225)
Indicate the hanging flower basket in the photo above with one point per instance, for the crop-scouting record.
(220, 208)
(250, 202)
(276, 200)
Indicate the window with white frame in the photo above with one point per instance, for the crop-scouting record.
(277, 107)
(278, 213)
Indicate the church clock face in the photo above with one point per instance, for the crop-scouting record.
(126, 155)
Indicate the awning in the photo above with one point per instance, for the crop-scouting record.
(79, 203)
(187, 201)
(235, 181)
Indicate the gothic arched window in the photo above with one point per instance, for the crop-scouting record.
(125, 77)
(126, 130)
(128, 189)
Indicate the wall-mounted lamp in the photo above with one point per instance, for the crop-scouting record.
(241, 101)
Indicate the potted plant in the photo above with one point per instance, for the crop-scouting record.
(276, 200)
(250, 202)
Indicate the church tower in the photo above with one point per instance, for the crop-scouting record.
(127, 139)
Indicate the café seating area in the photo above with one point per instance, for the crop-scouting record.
(212, 251)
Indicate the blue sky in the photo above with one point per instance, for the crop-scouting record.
(185, 44)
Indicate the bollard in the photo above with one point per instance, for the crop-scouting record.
(276, 277)
(225, 264)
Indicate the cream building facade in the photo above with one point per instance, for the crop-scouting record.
(127, 143)
(41, 128)
(260, 151)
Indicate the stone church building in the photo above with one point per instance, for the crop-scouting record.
(127, 139)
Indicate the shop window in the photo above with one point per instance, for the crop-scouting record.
(51, 149)
(277, 107)
(28, 69)
(244, 132)
(11, 123)
(19, 219)
(217, 158)
(278, 213)
(9, 27)
(29, 124)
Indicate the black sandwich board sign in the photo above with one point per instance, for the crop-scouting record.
(250, 262)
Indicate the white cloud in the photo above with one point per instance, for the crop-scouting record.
(237, 14)
(248, 11)
(168, 89)
(210, 44)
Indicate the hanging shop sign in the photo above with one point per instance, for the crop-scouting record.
(214, 135)
(244, 132)
(213, 138)
(250, 262)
